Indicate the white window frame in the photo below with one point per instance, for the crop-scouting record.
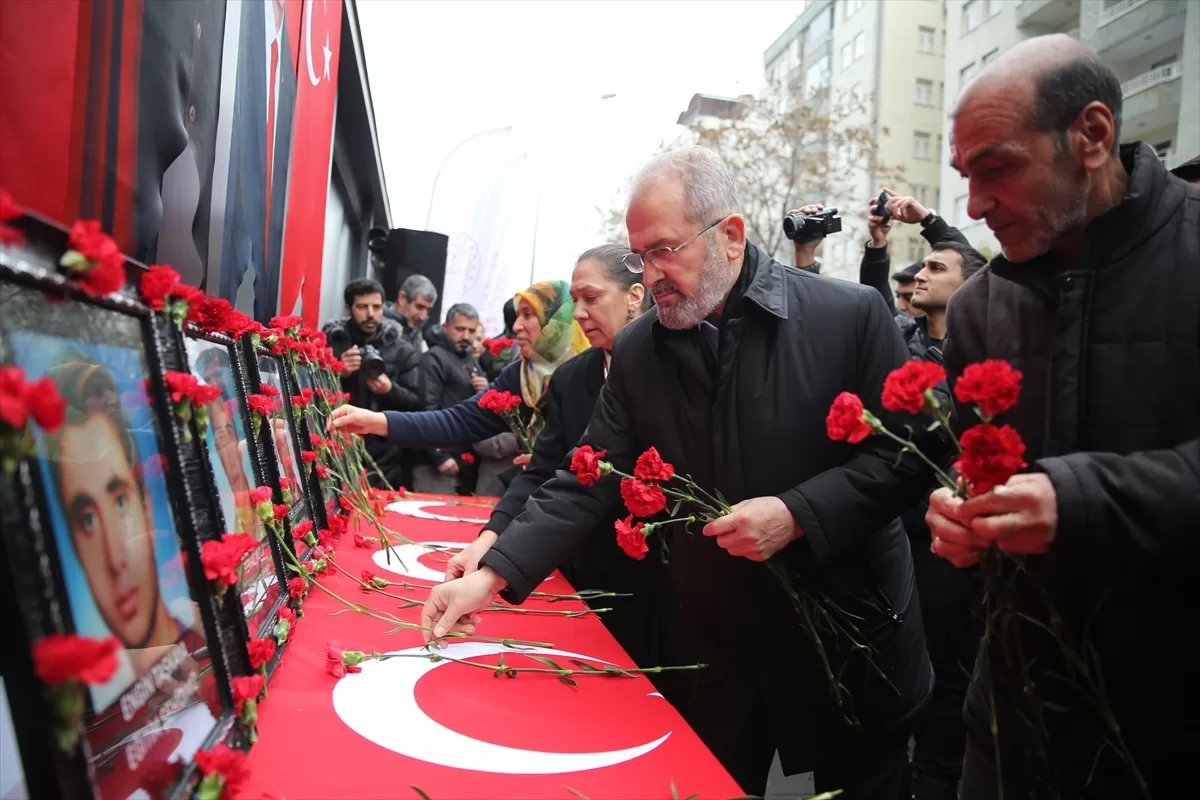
(847, 54)
(926, 151)
(927, 85)
(921, 31)
(988, 56)
(968, 7)
(860, 45)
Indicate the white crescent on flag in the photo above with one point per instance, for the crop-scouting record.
(313, 77)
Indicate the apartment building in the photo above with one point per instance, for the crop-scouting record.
(890, 53)
(1152, 45)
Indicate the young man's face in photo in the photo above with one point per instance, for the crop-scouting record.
(110, 526)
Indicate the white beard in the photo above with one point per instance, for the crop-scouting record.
(711, 290)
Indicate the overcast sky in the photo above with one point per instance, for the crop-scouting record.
(441, 71)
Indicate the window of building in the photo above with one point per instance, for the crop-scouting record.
(966, 74)
(938, 153)
(847, 54)
(817, 77)
(1164, 151)
(860, 46)
(989, 56)
(916, 249)
(994, 7)
(924, 92)
(1171, 59)
(922, 145)
(960, 211)
(819, 29)
(926, 40)
(972, 15)
(920, 193)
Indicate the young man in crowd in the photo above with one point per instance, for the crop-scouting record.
(360, 337)
(451, 374)
(1086, 690)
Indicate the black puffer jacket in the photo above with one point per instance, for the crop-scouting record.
(403, 366)
(1110, 411)
(447, 377)
(749, 421)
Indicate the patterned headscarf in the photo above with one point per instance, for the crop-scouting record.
(560, 339)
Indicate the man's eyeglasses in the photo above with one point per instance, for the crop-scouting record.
(662, 256)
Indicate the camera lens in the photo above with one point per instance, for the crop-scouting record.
(372, 362)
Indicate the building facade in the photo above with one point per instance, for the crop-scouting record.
(890, 56)
(1152, 45)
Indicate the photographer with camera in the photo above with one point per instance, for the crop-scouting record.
(382, 369)
(807, 227)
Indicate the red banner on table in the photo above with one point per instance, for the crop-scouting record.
(310, 159)
(456, 731)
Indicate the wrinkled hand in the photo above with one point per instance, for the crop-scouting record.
(448, 467)
(352, 419)
(466, 561)
(452, 606)
(479, 383)
(806, 252)
(877, 227)
(1020, 517)
(905, 209)
(522, 459)
(380, 385)
(756, 529)
(352, 358)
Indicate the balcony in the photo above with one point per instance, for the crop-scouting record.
(1152, 99)
(1132, 28)
(1046, 15)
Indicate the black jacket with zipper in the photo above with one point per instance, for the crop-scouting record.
(1109, 348)
(749, 421)
(447, 377)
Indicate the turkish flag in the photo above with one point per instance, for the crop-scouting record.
(310, 159)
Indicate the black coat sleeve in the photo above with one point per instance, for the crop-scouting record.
(873, 272)
(562, 513)
(405, 373)
(941, 231)
(1125, 508)
(433, 375)
(839, 506)
(550, 449)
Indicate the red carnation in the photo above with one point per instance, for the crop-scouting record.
(498, 346)
(990, 456)
(467, 458)
(106, 272)
(224, 761)
(191, 295)
(280, 510)
(297, 587)
(338, 525)
(261, 404)
(317, 441)
(214, 315)
(181, 385)
(905, 387)
(642, 500)
(302, 530)
(246, 687)
(339, 662)
(9, 210)
(13, 407)
(298, 401)
(261, 651)
(286, 322)
(631, 539)
(364, 541)
(499, 402)
(322, 471)
(650, 467)
(239, 543)
(288, 614)
(308, 456)
(268, 390)
(993, 385)
(260, 495)
(845, 421)
(59, 658)
(285, 484)
(205, 393)
(157, 284)
(586, 464)
(220, 562)
(45, 403)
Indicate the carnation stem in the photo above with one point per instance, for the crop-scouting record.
(607, 672)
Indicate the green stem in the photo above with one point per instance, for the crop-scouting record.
(614, 672)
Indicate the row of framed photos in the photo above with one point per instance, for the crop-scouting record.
(100, 524)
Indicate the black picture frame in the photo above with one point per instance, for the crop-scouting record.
(119, 743)
(260, 622)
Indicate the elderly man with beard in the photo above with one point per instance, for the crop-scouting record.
(1088, 688)
(730, 377)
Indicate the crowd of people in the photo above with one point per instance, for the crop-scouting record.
(696, 342)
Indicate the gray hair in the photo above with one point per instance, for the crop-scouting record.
(710, 191)
(461, 310)
(612, 256)
(415, 286)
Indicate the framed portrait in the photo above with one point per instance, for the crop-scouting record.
(235, 467)
(106, 541)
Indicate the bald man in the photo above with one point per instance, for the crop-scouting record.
(1096, 299)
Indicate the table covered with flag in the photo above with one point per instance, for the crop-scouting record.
(409, 727)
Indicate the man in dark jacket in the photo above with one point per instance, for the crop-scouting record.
(730, 376)
(416, 297)
(398, 387)
(451, 374)
(1088, 682)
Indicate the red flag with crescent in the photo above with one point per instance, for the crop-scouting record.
(311, 158)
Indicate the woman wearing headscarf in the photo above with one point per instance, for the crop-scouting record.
(547, 335)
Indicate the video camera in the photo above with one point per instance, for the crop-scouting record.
(803, 228)
(372, 362)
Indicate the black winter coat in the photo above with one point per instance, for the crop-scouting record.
(447, 379)
(646, 623)
(1110, 411)
(750, 422)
